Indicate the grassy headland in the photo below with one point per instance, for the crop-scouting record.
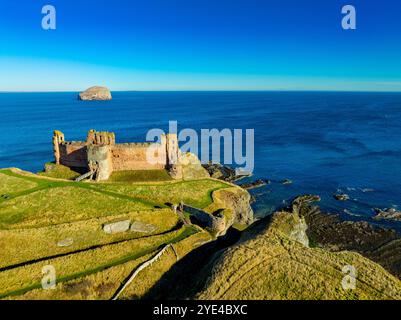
(46, 221)
(37, 212)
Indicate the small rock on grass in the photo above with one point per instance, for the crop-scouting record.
(117, 227)
(141, 227)
(65, 242)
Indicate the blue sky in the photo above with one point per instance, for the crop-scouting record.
(200, 45)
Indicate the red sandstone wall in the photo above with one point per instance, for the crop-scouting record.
(128, 156)
(133, 157)
(73, 155)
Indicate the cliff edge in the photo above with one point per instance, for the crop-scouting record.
(274, 261)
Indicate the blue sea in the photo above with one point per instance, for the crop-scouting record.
(325, 142)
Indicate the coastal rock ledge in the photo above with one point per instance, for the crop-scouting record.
(96, 93)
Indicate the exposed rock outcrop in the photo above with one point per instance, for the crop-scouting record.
(140, 227)
(214, 223)
(65, 242)
(341, 197)
(117, 227)
(388, 214)
(328, 231)
(230, 206)
(298, 233)
(191, 167)
(96, 93)
(238, 203)
(223, 172)
(255, 184)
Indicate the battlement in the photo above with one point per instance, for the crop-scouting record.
(101, 138)
(102, 154)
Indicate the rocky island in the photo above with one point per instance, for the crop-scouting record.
(95, 93)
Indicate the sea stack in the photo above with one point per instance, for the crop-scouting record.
(95, 93)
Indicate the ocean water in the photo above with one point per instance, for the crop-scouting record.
(325, 142)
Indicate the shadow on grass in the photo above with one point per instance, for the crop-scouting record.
(187, 277)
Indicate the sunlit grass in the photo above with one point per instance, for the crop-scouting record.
(270, 265)
(9, 184)
(61, 205)
(40, 211)
(196, 193)
(139, 176)
(60, 172)
(20, 280)
(103, 284)
(17, 246)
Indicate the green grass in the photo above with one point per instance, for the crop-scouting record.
(11, 184)
(20, 280)
(37, 243)
(40, 211)
(151, 275)
(53, 202)
(269, 265)
(103, 284)
(196, 193)
(61, 205)
(59, 171)
(139, 176)
(96, 286)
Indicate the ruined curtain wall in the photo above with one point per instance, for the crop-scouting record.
(133, 156)
(73, 154)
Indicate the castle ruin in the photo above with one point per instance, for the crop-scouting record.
(100, 155)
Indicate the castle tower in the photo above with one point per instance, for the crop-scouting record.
(173, 155)
(91, 137)
(58, 138)
(172, 149)
(100, 138)
(100, 161)
(99, 153)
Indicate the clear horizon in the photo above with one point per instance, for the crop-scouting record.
(150, 90)
(232, 45)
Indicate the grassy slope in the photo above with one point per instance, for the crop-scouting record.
(148, 277)
(103, 284)
(196, 193)
(85, 234)
(21, 279)
(10, 184)
(40, 211)
(268, 264)
(61, 205)
(140, 176)
(60, 172)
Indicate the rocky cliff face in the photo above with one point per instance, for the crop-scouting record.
(96, 93)
(328, 231)
(191, 167)
(272, 260)
(236, 203)
(230, 206)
